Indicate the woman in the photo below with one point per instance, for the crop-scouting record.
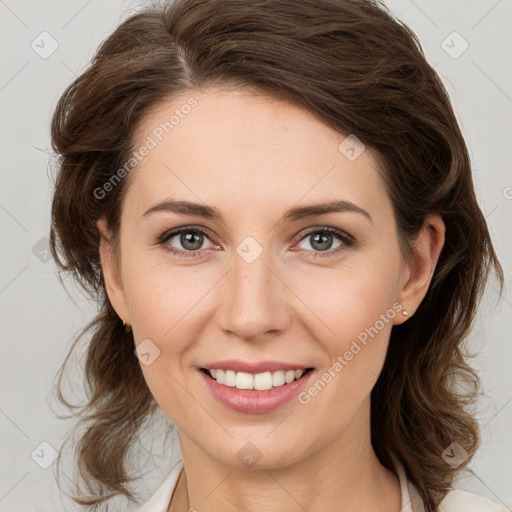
(272, 203)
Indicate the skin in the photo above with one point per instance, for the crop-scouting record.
(253, 158)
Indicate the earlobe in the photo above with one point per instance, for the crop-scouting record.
(111, 272)
(420, 269)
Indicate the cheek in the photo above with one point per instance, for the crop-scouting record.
(163, 297)
(163, 305)
(353, 317)
(350, 298)
(167, 306)
(357, 319)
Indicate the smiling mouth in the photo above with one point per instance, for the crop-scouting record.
(255, 382)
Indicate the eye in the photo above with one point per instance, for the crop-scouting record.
(321, 241)
(190, 239)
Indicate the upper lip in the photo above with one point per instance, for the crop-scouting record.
(254, 367)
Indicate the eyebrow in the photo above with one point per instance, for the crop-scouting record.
(293, 214)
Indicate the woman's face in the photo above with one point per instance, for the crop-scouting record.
(263, 284)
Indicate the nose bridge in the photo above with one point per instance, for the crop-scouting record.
(253, 305)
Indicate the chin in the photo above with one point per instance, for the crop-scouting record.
(259, 453)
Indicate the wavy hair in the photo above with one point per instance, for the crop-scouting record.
(361, 71)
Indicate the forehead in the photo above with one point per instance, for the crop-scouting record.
(246, 150)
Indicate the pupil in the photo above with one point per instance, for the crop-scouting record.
(325, 240)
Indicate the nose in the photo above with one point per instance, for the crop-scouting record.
(254, 300)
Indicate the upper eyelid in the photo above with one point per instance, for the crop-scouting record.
(328, 229)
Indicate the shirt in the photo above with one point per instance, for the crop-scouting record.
(455, 500)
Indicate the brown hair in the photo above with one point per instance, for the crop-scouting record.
(362, 72)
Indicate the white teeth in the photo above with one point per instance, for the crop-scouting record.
(262, 381)
(229, 378)
(258, 382)
(277, 379)
(289, 376)
(244, 380)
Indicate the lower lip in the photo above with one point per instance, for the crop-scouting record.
(255, 402)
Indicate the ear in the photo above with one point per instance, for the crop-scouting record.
(112, 272)
(417, 273)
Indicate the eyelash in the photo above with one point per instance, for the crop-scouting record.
(348, 241)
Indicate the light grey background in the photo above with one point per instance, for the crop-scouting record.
(39, 319)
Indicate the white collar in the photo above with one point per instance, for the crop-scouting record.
(411, 500)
